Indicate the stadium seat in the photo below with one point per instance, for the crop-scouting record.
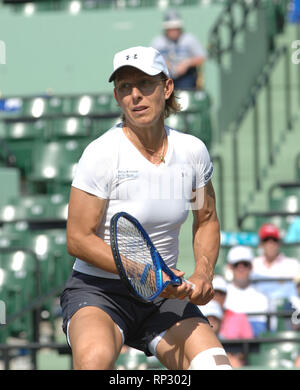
(177, 122)
(54, 163)
(290, 203)
(10, 184)
(269, 360)
(70, 127)
(105, 104)
(102, 104)
(33, 107)
(20, 136)
(20, 286)
(194, 101)
(136, 360)
(55, 105)
(101, 125)
(20, 130)
(40, 207)
(284, 350)
(50, 247)
(199, 125)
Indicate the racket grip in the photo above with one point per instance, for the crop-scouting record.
(192, 285)
(188, 282)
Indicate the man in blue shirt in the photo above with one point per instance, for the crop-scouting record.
(181, 50)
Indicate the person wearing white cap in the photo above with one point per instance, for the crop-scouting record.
(130, 168)
(182, 51)
(220, 289)
(214, 313)
(274, 265)
(242, 297)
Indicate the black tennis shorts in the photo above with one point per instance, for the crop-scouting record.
(140, 322)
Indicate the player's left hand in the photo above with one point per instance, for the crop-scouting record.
(203, 291)
(182, 291)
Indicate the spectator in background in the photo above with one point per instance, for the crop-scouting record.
(227, 324)
(242, 297)
(234, 325)
(220, 289)
(182, 52)
(293, 305)
(274, 264)
(214, 313)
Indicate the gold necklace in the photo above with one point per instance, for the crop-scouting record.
(161, 155)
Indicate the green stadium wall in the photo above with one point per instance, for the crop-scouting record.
(56, 52)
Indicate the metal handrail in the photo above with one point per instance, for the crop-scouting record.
(214, 45)
(219, 160)
(263, 81)
(266, 214)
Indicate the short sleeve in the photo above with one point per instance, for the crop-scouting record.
(93, 172)
(195, 46)
(202, 165)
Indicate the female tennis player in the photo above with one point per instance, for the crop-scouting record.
(155, 173)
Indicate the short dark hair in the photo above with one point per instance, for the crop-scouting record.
(172, 105)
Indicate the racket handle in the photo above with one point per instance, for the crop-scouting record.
(188, 282)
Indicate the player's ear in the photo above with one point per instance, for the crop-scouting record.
(169, 88)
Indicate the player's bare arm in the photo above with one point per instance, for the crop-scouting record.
(84, 215)
(206, 244)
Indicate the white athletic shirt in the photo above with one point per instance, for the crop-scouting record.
(112, 168)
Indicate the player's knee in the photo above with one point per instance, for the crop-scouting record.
(94, 357)
(211, 359)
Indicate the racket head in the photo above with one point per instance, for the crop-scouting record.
(136, 258)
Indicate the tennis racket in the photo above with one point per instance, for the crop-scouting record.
(138, 262)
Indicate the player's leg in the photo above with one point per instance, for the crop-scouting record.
(191, 344)
(95, 339)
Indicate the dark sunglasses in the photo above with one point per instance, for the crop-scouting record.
(244, 263)
(269, 239)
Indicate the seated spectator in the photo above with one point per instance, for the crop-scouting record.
(272, 264)
(293, 305)
(181, 51)
(234, 325)
(227, 324)
(220, 289)
(214, 313)
(242, 297)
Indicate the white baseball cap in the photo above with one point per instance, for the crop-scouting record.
(219, 283)
(146, 59)
(240, 253)
(212, 308)
(172, 19)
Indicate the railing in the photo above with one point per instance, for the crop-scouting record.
(252, 345)
(297, 160)
(265, 214)
(263, 81)
(245, 345)
(221, 194)
(216, 46)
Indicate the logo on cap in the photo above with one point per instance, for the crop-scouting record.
(134, 57)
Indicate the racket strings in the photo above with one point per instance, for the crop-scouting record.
(136, 258)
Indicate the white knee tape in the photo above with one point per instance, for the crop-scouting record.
(211, 359)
